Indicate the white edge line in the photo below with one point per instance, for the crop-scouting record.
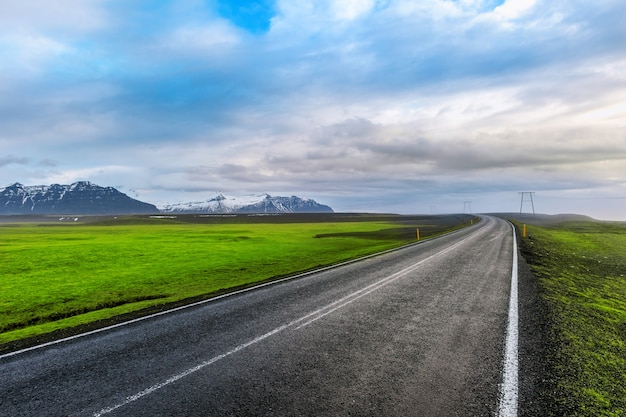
(211, 299)
(509, 388)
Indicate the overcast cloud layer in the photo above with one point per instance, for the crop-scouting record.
(365, 105)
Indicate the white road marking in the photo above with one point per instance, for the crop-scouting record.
(311, 317)
(509, 387)
(375, 286)
(189, 371)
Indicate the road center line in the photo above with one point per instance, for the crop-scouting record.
(311, 317)
(372, 287)
(509, 387)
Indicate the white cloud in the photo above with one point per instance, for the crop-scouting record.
(64, 15)
(29, 53)
(514, 9)
(205, 39)
(614, 112)
(106, 175)
(351, 9)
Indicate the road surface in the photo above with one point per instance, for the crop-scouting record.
(416, 332)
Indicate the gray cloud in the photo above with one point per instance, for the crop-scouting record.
(10, 159)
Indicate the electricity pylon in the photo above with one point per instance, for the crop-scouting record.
(530, 195)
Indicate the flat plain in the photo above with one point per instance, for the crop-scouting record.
(59, 274)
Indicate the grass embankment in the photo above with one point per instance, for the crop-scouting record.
(581, 268)
(56, 276)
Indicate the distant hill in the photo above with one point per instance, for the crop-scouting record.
(81, 197)
(259, 203)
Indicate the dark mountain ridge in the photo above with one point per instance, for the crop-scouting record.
(80, 197)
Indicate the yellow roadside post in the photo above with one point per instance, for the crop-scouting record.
(418, 233)
(524, 232)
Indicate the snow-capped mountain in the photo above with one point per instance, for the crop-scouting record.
(80, 197)
(259, 203)
(86, 198)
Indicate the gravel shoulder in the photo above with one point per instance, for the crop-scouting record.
(534, 346)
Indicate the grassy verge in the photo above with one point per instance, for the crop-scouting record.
(581, 267)
(56, 276)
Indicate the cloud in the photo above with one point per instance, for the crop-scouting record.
(351, 9)
(206, 39)
(29, 52)
(63, 15)
(346, 99)
(10, 159)
(513, 9)
(48, 162)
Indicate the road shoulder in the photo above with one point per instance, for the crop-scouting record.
(534, 346)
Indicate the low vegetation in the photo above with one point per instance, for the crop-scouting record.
(58, 275)
(581, 268)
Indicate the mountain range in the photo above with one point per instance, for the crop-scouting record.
(257, 203)
(80, 197)
(86, 198)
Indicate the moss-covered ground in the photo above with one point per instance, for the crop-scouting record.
(581, 268)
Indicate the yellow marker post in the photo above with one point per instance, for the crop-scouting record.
(524, 232)
(418, 233)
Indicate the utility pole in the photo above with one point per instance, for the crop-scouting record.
(467, 205)
(530, 196)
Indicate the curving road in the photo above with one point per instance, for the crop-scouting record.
(419, 331)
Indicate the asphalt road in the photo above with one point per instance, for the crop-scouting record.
(415, 332)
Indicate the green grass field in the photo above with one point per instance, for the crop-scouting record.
(582, 268)
(59, 275)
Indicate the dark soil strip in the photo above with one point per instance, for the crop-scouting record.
(537, 392)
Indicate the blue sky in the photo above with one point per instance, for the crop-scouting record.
(365, 105)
